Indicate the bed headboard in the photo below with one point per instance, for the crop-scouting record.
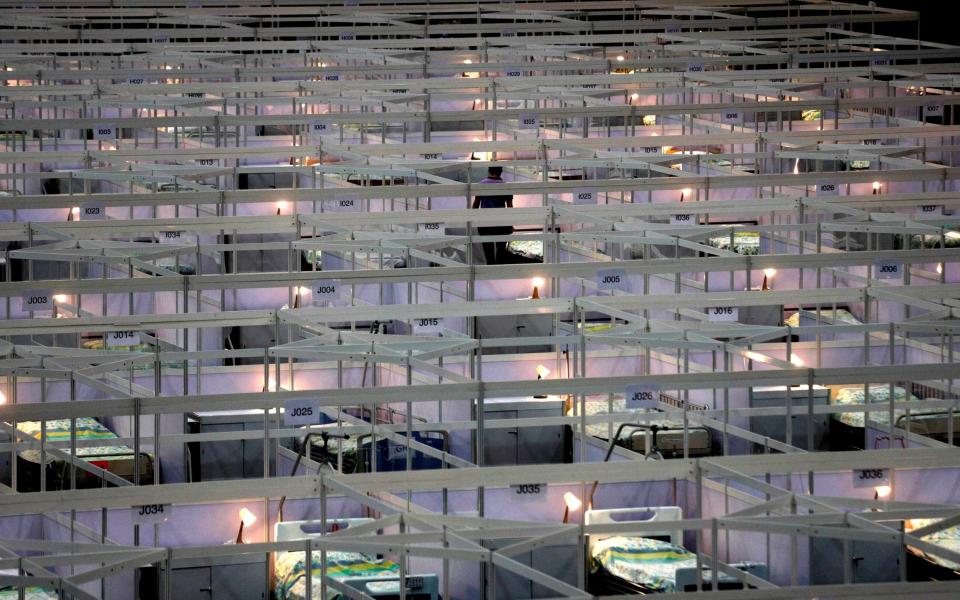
(642, 514)
(301, 530)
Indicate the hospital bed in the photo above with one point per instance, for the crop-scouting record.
(117, 459)
(846, 429)
(378, 578)
(923, 566)
(656, 562)
(667, 439)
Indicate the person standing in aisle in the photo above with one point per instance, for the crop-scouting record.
(494, 252)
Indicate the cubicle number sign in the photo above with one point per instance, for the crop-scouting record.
(880, 61)
(723, 314)
(37, 301)
(104, 132)
(868, 478)
(432, 229)
(695, 67)
(584, 196)
(934, 109)
(427, 326)
(888, 269)
(331, 76)
(731, 117)
(651, 149)
(529, 122)
(121, 339)
(828, 188)
(93, 211)
(433, 156)
(347, 36)
(514, 73)
(931, 210)
(324, 289)
(316, 128)
(303, 411)
(151, 514)
(171, 237)
(138, 80)
(686, 219)
(612, 279)
(642, 395)
(345, 204)
(529, 491)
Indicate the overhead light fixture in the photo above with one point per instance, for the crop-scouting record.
(876, 188)
(468, 62)
(247, 519)
(571, 504)
(621, 58)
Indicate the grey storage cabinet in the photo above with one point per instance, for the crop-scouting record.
(774, 426)
(515, 326)
(211, 578)
(523, 445)
(229, 459)
(870, 562)
(558, 561)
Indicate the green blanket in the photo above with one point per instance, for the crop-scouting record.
(879, 394)
(291, 575)
(643, 561)
(948, 538)
(88, 428)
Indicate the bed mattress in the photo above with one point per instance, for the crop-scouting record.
(948, 538)
(878, 394)
(116, 458)
(643, 561)
(667, 441)
(291, 573)
(828, 316)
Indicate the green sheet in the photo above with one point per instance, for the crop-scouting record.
(879, 394)
(840, 317)
(291, 575)
(643, 561)
(948, 538)
(88, 428)
(31, 593)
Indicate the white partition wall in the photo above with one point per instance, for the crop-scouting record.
(245, 291)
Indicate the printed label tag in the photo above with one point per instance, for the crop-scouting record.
(828, 188)
(642, 395)
(302, 411)
(685, 219)
(37, 301)
(427, 326)
(731, 117)
(868, 478)
(529, 122)
(528, 491)
(612, 279)
(104, 132)
(585, 196)
(149, 514)
(432, 229)
(888, 269)
(723, 314)
(324, 289)
(93, 211)
(118, 339)
(317, 128)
